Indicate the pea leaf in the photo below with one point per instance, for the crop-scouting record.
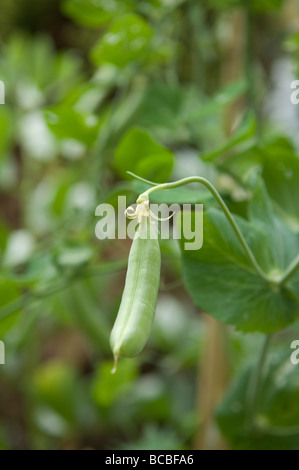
(140, 153)
(126, 40)
(221, 280)
(281, 175)
(277, 253)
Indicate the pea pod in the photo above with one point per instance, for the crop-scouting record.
(138, 304)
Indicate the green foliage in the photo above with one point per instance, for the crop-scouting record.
(126, 41)
(277, 418)
(140, 153)
(242, 297)
(95, 13)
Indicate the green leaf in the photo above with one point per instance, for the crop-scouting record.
(276, 159)
(222, 282)
(282, 244)
(243, 163)
(215, 104)
(94, 13)
(67, 123)
(140, 153)
(162, 107)
(281, 175)
(127, 40)
(244, 135)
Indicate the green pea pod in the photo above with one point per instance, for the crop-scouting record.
(138, 304)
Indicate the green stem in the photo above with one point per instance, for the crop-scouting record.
(213, 190)
(255, 382)
(289, 272)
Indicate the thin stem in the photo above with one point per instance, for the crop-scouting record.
(290, 271)
(142, 179)
(213, 190)
(256, 378)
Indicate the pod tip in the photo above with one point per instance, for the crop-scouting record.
(115, 364)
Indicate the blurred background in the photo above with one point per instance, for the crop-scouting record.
(94, 88)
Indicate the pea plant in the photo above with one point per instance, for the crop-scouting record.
(246, 275)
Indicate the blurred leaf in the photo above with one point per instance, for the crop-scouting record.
(245, 134)
(140, 153)
(162, 107)
(108, 387)
(73, 255)
(95, 13)
(244, 162)
(126, 41)
(216, 103)
(67, 123)
(277, 161)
